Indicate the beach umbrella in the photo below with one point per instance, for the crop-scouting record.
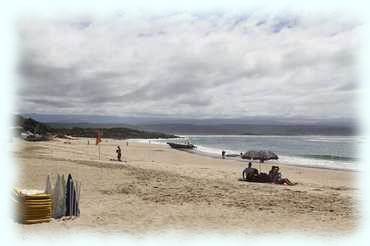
(261, 155)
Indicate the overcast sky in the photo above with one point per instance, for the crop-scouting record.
(204, 65)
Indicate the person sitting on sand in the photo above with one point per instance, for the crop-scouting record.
(273, 174)
(250, 173)
(119, 153)
(276, 177)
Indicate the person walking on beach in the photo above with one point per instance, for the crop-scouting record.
(223, 154)
(119, 153)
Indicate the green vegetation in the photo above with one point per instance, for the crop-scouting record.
(34, 126)
(116, 133)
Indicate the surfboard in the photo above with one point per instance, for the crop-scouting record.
(48, 187)
(59, 199)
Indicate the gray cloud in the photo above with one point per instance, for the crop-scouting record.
(50, 102)
(189, 65)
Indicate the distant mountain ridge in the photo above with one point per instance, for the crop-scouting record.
(237, 129)
(29, 124)
(206, 126)
(155, 120)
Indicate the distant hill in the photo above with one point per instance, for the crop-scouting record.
(34, 126)
(115, 133)
(251, 129)
(195, 126)
(152, 120)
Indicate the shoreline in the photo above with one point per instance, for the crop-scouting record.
(215, 156)
(283, 164)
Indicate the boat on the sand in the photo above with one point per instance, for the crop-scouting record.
(181, 146)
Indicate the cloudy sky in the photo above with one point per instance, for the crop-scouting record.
(199, 65)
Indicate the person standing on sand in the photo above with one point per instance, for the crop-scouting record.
(223, 154)
(119, 153)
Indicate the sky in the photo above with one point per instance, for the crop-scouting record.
(190, 65)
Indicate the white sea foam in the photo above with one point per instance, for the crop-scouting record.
(213, 151)
(283, 159)
(161, 141)
(335, 139)
(290, 160)
(312, 162)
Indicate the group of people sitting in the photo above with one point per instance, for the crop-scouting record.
(274, 176)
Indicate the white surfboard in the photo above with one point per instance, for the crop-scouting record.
(48, 187)
(56, 197)
(59, 198)
(63, 198)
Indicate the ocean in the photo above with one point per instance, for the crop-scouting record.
(337, 152)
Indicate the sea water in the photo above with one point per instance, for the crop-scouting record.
(338, 152)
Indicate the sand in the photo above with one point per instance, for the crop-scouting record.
(157, 189)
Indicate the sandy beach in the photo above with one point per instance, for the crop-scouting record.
(156, 189)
